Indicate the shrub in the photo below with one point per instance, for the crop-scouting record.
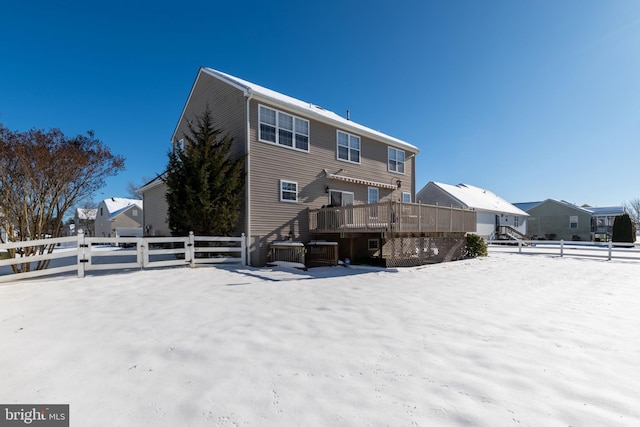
(476, 246)
(623, 229)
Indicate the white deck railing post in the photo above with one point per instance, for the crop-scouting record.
(610, 248)
(561, 248)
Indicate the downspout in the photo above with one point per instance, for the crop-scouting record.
(249, 95)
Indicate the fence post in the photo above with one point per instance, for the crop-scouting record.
(140, 253)
(519, 246)
(81, 258)
(610, 246)
(243, 245)
(191, 249)
(561, 248)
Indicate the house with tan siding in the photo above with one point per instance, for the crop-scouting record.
(119, 217)
(308, 170)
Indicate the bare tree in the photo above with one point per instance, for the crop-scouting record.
(633, 209)
(42, 175)
(132, 188)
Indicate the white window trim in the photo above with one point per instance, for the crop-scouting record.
(281, 191)
(349, 136)
(408, 194)
(294, 117)
(403, 163)
(571, 222)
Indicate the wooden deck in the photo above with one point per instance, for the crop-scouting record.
(391, 217)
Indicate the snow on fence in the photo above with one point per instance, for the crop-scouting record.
(82, 253)
(605, 250)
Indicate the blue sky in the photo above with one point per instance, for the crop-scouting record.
(529, 99)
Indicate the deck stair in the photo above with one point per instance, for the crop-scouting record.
(509, 233)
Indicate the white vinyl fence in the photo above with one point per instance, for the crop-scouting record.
(82, 254)
(604, 250)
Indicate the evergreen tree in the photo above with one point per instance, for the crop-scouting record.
(623, 229)
(204, 183)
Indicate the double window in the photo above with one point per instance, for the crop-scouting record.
(396, 160)
(283, 129)
(288, 191)
(348, 147)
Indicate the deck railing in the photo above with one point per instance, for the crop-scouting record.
(391, 217)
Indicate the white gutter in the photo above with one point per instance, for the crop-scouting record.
(248, 94)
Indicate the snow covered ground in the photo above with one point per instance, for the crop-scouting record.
(498, 341)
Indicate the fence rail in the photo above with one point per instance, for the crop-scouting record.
(605, 250)
(82, 254)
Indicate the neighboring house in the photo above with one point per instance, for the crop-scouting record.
(557, 220)
(496, 218)
(602, 219)
(85, 219)
(155, 217)
(304, 164)
(118, 217)
(560, 220)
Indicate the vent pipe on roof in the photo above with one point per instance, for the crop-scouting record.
(348, 115)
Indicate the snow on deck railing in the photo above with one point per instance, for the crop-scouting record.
(82, 253)
(605, 250)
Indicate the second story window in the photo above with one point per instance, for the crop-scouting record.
(283, 129)
(348, 147)
(396, 160)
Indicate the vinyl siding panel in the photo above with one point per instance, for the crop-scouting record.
(155, 217)
(551, 219)
(127, 219)
(272, 219)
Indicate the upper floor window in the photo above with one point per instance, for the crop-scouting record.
(283, 129)
(406, 197)
(288, 191)
(396, 160)
(348, 147)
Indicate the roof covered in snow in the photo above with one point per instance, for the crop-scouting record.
(117, 205)
(307, 109)
(480, 199)
(606, 210)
